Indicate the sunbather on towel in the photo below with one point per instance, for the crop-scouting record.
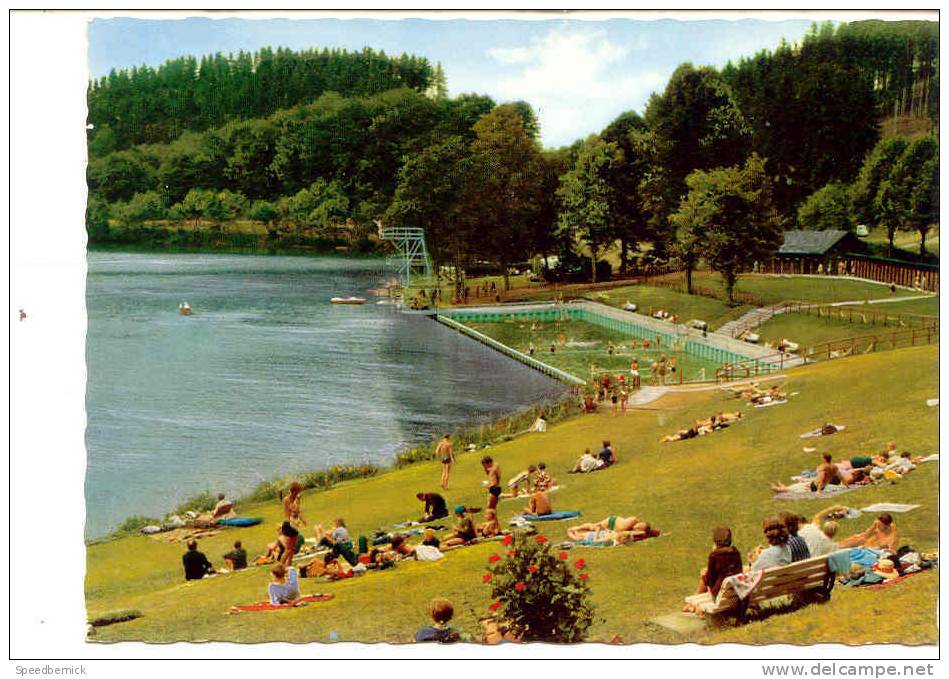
(605, 536)
(882, 534)
(284, 587)
(327, 565)
(491, 525)
(539, 505)
(681, 435)
(612, 523)
(773, 394)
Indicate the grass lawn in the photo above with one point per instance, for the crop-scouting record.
(687, 307)
(810, 330)
(684, 488)
(773, 288)
(926, 306)
(907, 240)
(586, 345)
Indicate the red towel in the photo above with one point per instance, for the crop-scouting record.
(267, 606)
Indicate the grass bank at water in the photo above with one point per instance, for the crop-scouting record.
(684, 488)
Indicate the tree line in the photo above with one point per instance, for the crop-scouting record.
(717, 165)
(145, 105)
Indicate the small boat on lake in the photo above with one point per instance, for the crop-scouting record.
(184, 309)
(348, 300)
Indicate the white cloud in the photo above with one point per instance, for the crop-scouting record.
(576, 81)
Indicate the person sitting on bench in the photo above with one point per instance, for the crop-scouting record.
(777, 553)
(723, 561)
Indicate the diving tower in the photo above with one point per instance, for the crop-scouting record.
(411, 258)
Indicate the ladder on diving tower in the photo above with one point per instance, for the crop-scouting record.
(411, 258)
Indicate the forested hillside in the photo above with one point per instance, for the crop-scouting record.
(145, 105)
(312, 148)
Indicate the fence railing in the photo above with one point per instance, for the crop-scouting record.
(907, 275)
(827, 351)
(863, 315)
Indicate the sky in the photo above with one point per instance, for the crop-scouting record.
(578, 75)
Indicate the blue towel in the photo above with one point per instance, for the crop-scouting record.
(839, 561)
(865, 556)
(554, 516)
(241, 521)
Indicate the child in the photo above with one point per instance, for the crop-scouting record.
(491, 525)
(543, 481)
(441, 612)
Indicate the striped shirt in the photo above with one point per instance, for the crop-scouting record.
(798, 547)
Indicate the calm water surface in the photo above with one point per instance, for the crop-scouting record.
(265, 378)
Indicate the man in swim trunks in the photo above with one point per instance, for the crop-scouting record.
(613, 523)
(493, 470)
(445, 453)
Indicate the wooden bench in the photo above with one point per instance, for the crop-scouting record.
(811, 577)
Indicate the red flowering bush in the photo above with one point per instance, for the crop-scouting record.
(539, 595)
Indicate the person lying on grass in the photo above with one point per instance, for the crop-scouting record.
(703, 427)
(723, 561)
(328, 566)
(773, 394)
(619, 529)
(284, 588)
(882, 534)
(539, 505)
(828, 474)
(491, 525)
(464, 530)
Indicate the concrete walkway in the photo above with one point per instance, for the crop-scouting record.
(646, 395)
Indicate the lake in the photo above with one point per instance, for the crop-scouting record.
(265, 378)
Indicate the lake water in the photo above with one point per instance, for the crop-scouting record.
(265, 378)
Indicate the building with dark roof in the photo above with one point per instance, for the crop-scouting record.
(820, 244)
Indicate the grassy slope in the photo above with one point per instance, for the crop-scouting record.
(685, 488)
(713, 311)
(927, 306)
(774, 289)
(907, 240)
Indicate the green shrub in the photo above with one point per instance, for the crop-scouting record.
(202, 502)
(540, 595)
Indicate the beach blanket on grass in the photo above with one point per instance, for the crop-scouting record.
(553, 516)
(772, 403)
(893, 581)
(241, 521)
(817, 432)
(889, 507)
(267, 606)
(609, 543)
(828, 492)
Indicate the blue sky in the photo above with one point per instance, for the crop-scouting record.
(578, 75)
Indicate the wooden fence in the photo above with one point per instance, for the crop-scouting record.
(907, 274)
(863, 314)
